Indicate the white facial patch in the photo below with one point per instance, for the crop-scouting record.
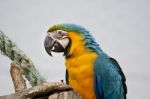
(64, 42)
(60, 36)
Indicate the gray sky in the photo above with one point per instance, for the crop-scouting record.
(121, 27)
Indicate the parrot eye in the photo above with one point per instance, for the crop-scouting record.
(59, 32)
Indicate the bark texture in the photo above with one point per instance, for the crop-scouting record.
(55, 90)
(17, 78)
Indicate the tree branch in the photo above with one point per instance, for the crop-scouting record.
(18, 80)
(56, 90)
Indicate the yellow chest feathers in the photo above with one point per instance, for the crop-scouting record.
(80, 68)
(81, 75)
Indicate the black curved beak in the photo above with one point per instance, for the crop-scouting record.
(52, 45)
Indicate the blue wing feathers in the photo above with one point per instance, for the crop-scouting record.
(98, 87)
(109, 78)
(122, 75)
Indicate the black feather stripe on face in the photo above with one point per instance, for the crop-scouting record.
(67, 49)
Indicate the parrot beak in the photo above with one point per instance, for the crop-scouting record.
(52, 45)
(55, 46)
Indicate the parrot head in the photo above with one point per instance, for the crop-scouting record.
(61, 37)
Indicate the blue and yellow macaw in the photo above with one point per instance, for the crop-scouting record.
(90, 71)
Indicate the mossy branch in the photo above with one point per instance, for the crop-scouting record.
(8, 48)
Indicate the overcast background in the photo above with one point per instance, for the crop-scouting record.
(121, 27)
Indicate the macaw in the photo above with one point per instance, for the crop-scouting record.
(89, 70)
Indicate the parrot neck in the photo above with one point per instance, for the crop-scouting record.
(78, 46)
